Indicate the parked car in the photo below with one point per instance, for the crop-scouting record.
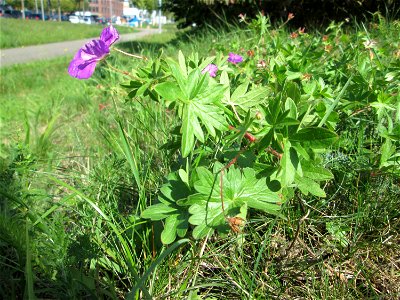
(12, 13)
(74, 19)
(63, 17)
(32, 16)
(88, 20)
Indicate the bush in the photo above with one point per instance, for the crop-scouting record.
(307, 12)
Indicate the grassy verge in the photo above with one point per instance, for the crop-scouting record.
(81, 160)
(19, 33)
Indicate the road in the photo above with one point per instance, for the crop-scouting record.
(47, 51)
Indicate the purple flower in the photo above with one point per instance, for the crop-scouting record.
(235, 58)
(211, 69)
(85, 60)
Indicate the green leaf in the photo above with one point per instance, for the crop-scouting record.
(289, 164)
(246, 99)
(293, 75)
(224, 80)
(240, 189)
(252, 98)
(315, 137)
(387, 150)
(187, 131)
(315, 173)
(174, 225)
(169, 91)
(174, 189)
(293, 91)
(176, 71)
(339, 231)
(184, 176)
(157, 211)
(290, 106)
(307, 185)
(182, 63)
(176, 216)
(201, 231)
(240, 91)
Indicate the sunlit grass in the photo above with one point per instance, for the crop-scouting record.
(19, 33)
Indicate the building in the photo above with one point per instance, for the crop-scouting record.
(106, 8)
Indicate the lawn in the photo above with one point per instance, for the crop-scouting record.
(113, 187)
(19, 33)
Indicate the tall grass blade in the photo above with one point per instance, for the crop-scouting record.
(126, 149)
(28, 268)
(335, 103)
(142, 280)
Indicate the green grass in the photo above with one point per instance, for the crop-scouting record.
(74, 177)
(19, 33)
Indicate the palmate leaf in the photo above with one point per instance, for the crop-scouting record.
(242, 97)
(241, 190)
(176, 217)
(199, 101)
(309, 182)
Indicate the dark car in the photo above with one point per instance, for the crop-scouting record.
(12, 13)
(32, 16)
(35, 16)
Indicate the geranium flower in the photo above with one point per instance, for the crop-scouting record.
(235, 58)
(211, 69)
(84, 62)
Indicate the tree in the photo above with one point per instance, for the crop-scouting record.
(146, 4)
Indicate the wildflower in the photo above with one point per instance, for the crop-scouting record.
(290, 16)
(102, 106)
(397, 54)
(242, 17)
(371, 54)
(250, 53)
(328, 48)
(211, 69)
(294, 35)
(301, 30)
(261, 64)
(306, 76)
(235, 58)
(369, 44)
(325, 38)
(84, 62)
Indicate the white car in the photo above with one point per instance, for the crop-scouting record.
(87, 20)
(74, 19)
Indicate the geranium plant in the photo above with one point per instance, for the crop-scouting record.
(248, 141)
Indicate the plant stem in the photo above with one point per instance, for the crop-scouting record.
(131, 55)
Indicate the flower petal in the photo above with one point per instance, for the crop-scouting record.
(211, 69)
(234, 58)
(81, 69)
(109, 35)
(84, 62)
(95, 49)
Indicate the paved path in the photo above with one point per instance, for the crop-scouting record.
(46, 51)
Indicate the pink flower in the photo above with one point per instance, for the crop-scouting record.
(85, 60)
(235, 58)
(211, 69)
